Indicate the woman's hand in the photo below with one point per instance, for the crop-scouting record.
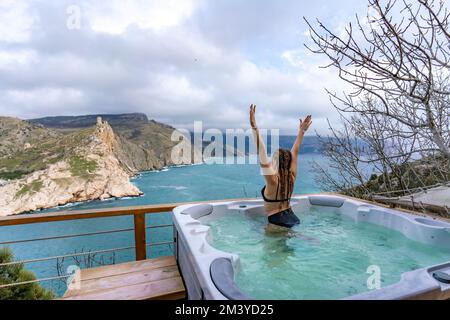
(305, 124)
(252, 116)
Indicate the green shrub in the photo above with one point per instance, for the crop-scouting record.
(81, 167)
(17, 273)
(12, 175)
(35, 186)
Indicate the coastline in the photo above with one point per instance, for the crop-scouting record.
(136, 176)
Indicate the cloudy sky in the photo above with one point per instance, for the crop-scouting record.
(175, 60)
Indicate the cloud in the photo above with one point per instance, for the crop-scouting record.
(176, 61)
(116, 16)
(293, 57)
(10, 60)
(16, 21)
(31, 101)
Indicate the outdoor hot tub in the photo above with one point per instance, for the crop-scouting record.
(343, 249)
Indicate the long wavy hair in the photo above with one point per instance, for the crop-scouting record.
(285, 178)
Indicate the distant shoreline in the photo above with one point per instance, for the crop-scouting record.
(137, 176)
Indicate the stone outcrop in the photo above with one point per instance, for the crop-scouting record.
(141, 144)
(16, 134)
(91, 172)
(58, 160)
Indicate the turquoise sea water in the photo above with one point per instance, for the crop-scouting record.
(326, 257)
(190, 183)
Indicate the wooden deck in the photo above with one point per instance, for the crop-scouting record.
(154, 279)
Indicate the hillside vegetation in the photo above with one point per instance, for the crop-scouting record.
(76, 160)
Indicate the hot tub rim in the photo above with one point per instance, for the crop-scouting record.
(365, 206)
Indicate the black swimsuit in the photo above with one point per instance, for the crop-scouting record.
(285, 218)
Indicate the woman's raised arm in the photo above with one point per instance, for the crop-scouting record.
(260, 146)
(304, 126)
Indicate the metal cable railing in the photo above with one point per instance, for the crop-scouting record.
(82, 254)
(412, 190)
(140, 247)
(68, 256)
(80, 235)
(140, 244)
(9, 285)
(65, 236)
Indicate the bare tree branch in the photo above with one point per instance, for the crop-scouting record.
(396, 119)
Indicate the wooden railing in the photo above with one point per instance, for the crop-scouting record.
(139, 229)
(138, 213)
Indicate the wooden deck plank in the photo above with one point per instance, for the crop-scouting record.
(127, 267)
(138, 280)
(117, 281)
(172, 288)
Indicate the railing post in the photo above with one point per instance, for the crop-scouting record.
(139, 236)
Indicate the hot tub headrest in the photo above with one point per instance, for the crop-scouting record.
(198, 211)
(326, 201)
(222, 275)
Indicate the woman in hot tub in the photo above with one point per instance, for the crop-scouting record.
(280, 175)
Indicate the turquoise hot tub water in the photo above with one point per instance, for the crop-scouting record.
(326, 257)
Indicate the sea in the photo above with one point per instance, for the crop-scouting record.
(207, 181)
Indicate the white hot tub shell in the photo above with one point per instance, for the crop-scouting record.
(209, 273)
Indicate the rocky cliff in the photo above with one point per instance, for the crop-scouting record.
(16, 134)
(68, 162)
(142, 144)
(87, 170)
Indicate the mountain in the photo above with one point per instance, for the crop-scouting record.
(76, 160)
(77, 122)
(310, 144)
(75, 167)
(144, 144)
(17, 134)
